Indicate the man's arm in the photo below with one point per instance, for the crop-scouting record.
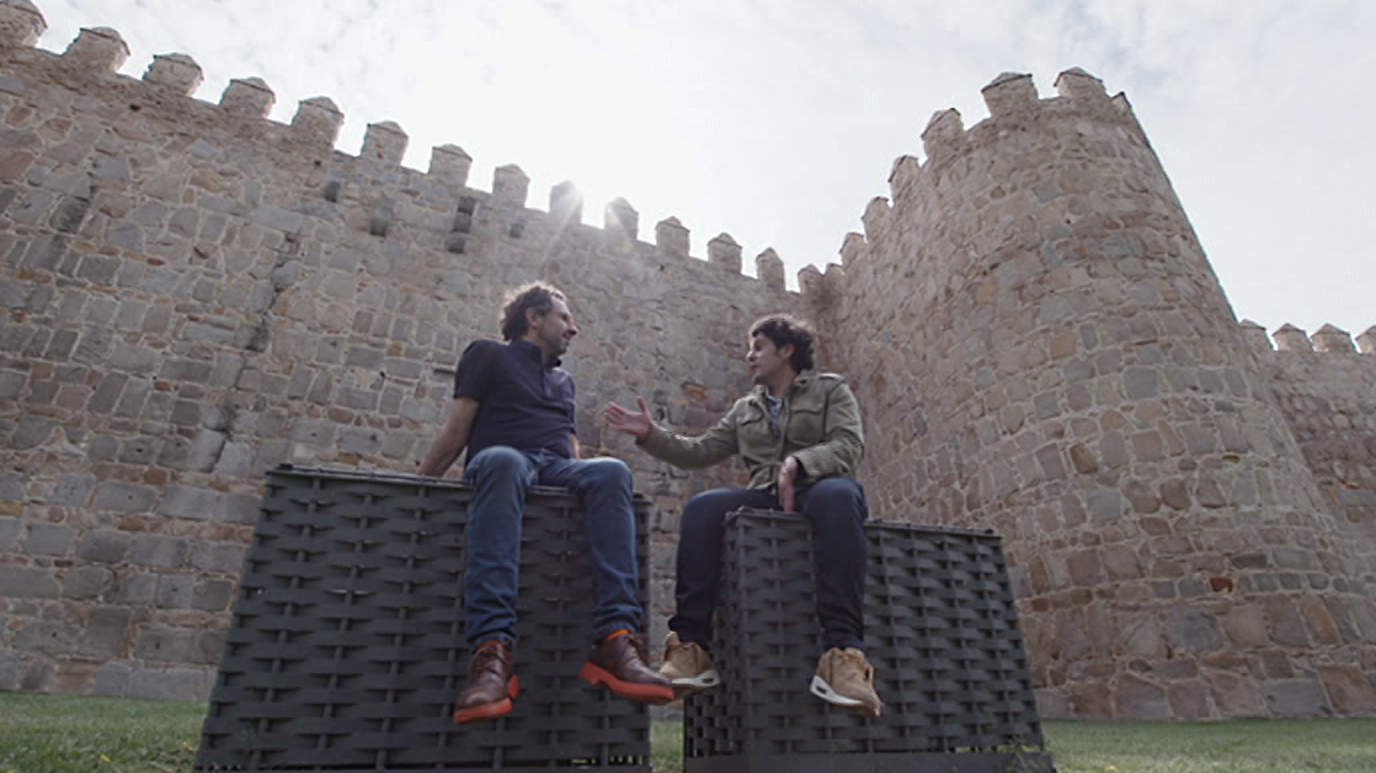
(577, 448)
(715, 445)
(452, 439)
(843, 446)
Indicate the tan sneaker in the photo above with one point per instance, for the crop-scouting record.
(687, 666)
(846, 679)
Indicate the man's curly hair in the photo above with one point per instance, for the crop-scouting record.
(784, 329)
(536, 295)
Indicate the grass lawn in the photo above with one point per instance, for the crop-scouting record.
(1249, 746)
(60, 734)
(64, 734)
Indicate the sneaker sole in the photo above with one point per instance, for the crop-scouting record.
(643, 693)
(490, 710)
(824, 691)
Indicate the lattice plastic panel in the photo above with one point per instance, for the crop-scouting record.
(346, 651)
(941, 631)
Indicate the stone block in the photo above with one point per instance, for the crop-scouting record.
(360, 440)
(166, 645)
(86, 582)
(108, 547)
(1104, 504)
(182, 501)
(1285, 623)
(140, 588)
(112, 680)
(1351, 692)
(1140, 699)
(1296, 698)
(32, 432)
(1245, 626)
(124, 497)
(48, 539)
(212, 595)
(1193, 629)
(28, 582)
(213, 556)
(236, 460)
(105, 633)
(174, 591)
(171, 684)
(240, 508)
(12, 487)
(158, 550)
(10, 531)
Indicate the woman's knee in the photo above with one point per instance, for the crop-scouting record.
(836, 497)
(711, 507)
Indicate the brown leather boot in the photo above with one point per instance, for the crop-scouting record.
(492, 683)
(619, 664)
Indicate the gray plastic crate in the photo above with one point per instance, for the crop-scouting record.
(346, 650)
(941, 631)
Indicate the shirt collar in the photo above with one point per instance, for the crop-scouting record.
(531, 351)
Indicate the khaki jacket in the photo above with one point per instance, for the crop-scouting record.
(819, 424)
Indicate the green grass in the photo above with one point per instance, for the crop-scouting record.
(63, 734)
(1251, 746)
(59, 734)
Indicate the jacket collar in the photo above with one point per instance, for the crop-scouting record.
(761, 392)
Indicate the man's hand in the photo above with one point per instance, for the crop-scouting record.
(788, 473)
(637, 424)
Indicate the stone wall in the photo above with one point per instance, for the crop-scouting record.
(193, 294)
(1327, 393)
(1043, 349)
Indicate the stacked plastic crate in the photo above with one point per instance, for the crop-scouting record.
(346, 649)
(941, 631)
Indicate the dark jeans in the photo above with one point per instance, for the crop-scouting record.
(501, 476)
(835, 506)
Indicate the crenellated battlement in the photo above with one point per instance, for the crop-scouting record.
(922, 189)
(374, 183)
(193, 292)
(1328, 339)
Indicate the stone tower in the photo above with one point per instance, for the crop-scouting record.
(1042, 348)
(192, 292)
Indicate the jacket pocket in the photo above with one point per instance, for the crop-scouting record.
(753, 433)
(806, 424)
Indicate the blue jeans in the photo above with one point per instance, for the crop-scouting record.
(501, 476)
(837, 510)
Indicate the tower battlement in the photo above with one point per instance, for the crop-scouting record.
(193, 292)
(372, 190)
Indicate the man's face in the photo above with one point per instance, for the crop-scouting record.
(766, 360)
(554, 330)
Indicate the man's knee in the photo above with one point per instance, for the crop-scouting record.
(606, 471)
(497, 462)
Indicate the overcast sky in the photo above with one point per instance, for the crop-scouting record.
(777, 120)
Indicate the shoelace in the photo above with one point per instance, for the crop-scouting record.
(488, 659)
(865, 668)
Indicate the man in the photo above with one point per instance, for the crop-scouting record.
(801, 440)
(513, 410)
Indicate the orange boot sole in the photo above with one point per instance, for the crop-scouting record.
(655, 695)
(490, 710)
